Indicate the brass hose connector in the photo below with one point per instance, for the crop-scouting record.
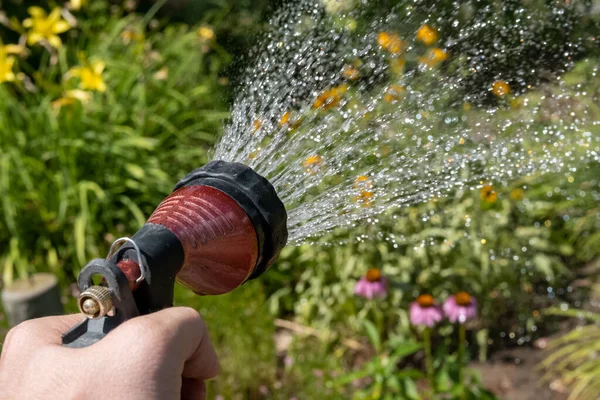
(95, 302)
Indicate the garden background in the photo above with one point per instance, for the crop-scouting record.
(112, 100)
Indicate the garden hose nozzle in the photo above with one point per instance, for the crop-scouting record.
(222, 226)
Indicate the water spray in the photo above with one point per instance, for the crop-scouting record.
(222, 226)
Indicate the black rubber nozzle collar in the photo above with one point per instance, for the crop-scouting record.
(258, 199)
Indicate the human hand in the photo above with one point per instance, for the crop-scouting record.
(164, 355)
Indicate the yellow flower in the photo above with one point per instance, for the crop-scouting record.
(287, 120)
(45, 27)
(70, 97)
(90, 76)
(391, 42)
(427, 35)
(488, 194)
(312, 164)
(364, 197)
(364, 185)
(330, 98)
(253, 154)
(500, 88)
(206, 33)
(517, 194)
(393, 93)
(14, 49)
(363, 182)
(256, 125)
(77, 4)
(434, 57)
(350, 73)
(6, 66)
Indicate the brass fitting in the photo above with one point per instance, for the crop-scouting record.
(95, 302)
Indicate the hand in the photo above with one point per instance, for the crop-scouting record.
(164, 355)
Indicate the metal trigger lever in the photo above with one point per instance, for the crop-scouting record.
(140, 260)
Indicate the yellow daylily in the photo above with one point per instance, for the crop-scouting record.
(206, 33)
(70, 97)
(77, 4)
(45, 27)
(14, 49)
(6, 66)
(90, 76)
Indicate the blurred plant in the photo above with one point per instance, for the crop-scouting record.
(44, 27)
(379, 377)
(90, 76)
(573, 360)
(80, 166)
(372, 285)
(461, 308)
(424, 312)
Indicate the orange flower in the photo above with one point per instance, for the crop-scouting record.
(393, 93)
(287, 120)
(363, 182)
(364, 197)
(488, 194)
(427, 35)
(330, 98)
(351, 73)
(434, 57)
(500, 88)
(256, 124)
(391, 42)
(312, 164)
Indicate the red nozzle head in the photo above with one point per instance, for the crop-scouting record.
(230, 223)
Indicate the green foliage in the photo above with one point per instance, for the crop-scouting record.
(74, 171)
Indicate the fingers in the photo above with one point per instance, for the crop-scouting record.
(193, 389)
(42, 331)
(179, 333)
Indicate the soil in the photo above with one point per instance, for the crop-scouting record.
(512, 375)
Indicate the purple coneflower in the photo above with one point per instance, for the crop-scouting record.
(373, 284)
(425, 312)
(461, 307)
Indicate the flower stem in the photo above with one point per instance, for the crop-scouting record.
(462, 338)
(428, 358)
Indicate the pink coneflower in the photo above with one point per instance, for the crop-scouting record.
(461, 307)
(371, 285)
(425, 312)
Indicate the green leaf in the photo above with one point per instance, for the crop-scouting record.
(373, 335)
(406, 348)
(411, 390)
